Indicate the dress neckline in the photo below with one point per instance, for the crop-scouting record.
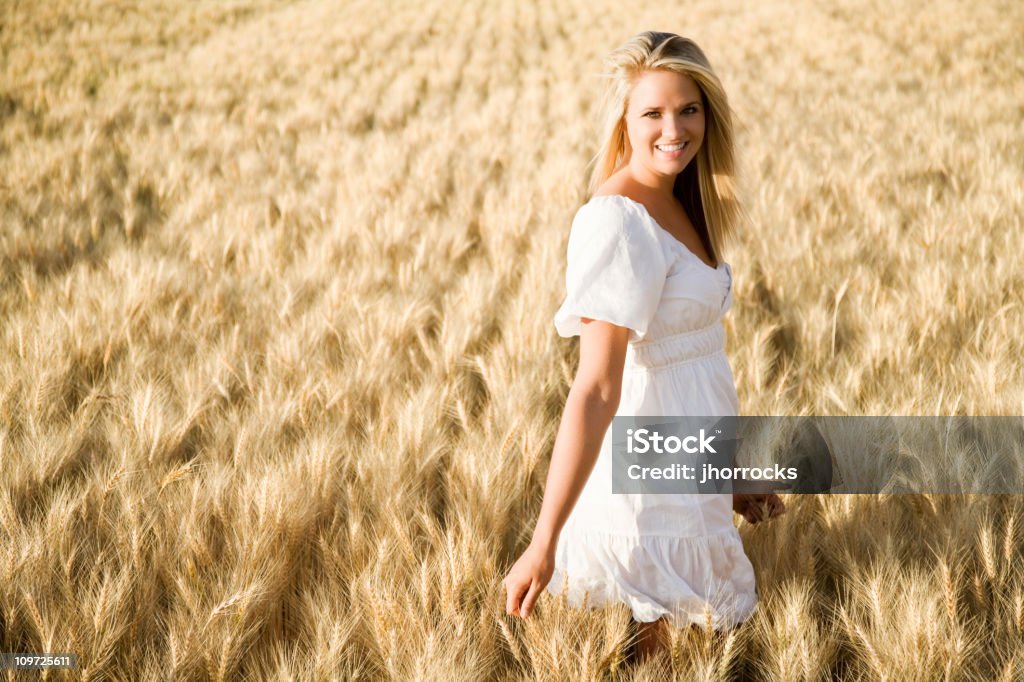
(681, 245)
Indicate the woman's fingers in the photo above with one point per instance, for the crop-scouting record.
(757, 507)
(526, 579)
(516, 604)
(745, 506)
(514, 596)
(531, 599)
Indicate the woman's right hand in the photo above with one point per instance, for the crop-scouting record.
(526, 579)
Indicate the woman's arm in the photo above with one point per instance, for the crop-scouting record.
(589, 409)
(592, 402)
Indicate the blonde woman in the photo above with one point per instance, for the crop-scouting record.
(646, 290)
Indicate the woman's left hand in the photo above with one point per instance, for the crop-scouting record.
(757, 507)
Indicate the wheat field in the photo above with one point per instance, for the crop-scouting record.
(278, 376)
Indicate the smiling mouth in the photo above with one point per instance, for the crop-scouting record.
(671, 148)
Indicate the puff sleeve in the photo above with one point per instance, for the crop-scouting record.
(615, 270)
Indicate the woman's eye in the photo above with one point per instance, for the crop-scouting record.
(687, 110)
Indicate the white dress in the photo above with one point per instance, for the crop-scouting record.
(673, 555)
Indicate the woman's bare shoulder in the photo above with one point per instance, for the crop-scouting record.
(616, 185)
(620, 185)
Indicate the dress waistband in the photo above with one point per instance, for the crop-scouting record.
(676, 348)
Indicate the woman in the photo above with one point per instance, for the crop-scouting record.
(646, 292)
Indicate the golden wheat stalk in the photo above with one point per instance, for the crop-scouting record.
(177, 474)
(37, 618)
(988, 554)
(112, 484)
(1009, 540)
(725, 660)
(949, 590)
(517, 652)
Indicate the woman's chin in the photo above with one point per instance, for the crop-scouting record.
(671, 167)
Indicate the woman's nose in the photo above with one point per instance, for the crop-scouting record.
(671, 127)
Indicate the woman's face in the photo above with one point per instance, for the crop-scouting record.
(665, 110)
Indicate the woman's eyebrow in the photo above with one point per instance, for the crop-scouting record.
(653, 108)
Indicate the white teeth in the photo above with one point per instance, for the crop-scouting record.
(671, 148)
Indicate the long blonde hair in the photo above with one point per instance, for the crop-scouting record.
(707, 186)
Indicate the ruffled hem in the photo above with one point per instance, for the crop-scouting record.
(680, 578)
